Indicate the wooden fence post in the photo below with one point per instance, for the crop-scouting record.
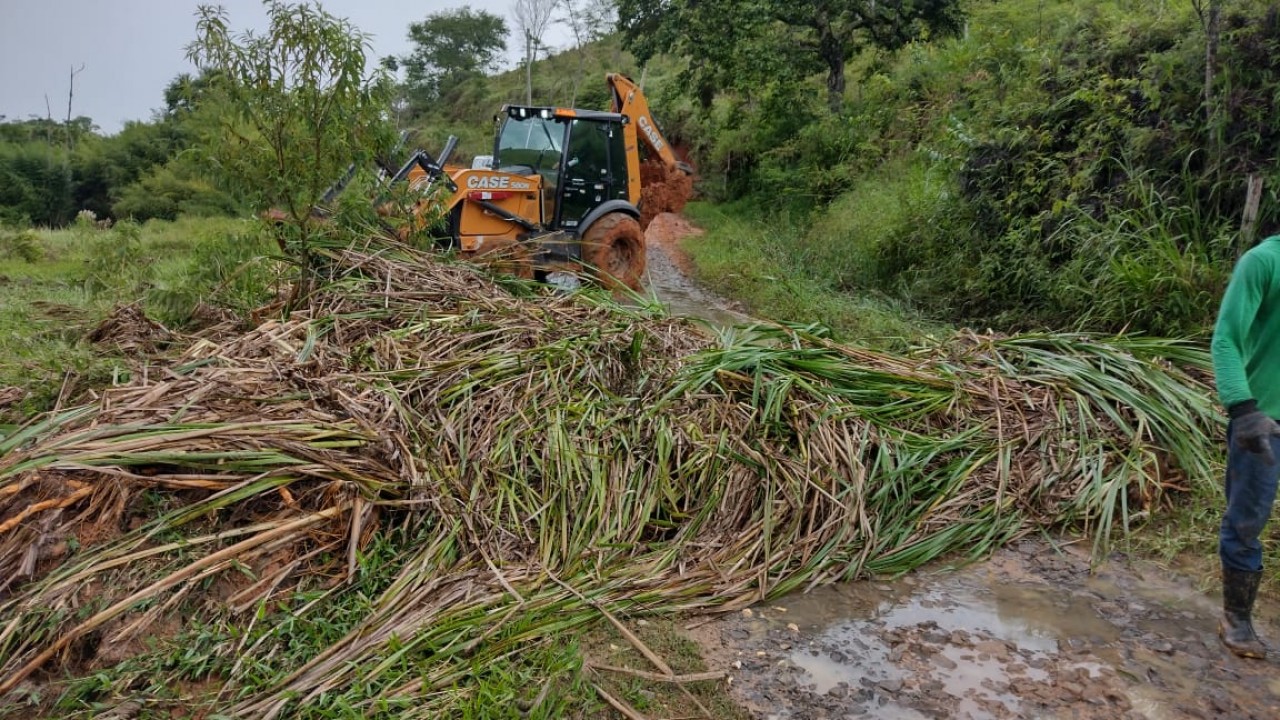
(1249, 222)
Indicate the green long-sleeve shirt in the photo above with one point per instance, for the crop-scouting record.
(1246, 339)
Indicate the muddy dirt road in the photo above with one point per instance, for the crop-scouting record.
(670, 275)
(1030, 633)
(1033, 632)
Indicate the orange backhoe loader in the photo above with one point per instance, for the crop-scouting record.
(564, 193)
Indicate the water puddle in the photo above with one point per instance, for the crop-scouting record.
(1031, 633)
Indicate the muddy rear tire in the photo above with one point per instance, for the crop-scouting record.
(614, 246)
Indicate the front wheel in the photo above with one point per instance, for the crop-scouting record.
(614, 246)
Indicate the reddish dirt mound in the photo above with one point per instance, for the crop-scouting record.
(663, 190)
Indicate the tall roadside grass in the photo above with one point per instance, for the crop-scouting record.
(402, 497)
(783, 271)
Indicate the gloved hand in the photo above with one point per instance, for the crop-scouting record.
(1253, 432)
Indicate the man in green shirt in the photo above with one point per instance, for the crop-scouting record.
(1246, 363)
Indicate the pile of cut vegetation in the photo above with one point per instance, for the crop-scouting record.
(427, 475)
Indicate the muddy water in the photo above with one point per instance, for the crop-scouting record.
(667, 277)
(1031, 633)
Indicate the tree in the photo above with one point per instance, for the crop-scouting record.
(745, 42)
(532, 19)
(589, 21)
(294, 108)
(184, 93)
(450, 47)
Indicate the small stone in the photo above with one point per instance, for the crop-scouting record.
(995, 648)
(642, 623)
(891, 685)
(944, 662)
(793, 627)
(746, 612)
(936, 637)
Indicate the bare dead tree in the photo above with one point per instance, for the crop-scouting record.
(1210, 13)
(71, 91)
(532, 19)
(589, 21)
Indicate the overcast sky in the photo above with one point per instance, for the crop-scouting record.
(131, 49)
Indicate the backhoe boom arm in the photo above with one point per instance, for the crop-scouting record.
(629, 101)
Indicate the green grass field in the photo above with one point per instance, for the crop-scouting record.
(57, 285)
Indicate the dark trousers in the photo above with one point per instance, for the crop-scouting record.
(1251, 490)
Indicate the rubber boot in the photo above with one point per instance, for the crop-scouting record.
(1239, 590)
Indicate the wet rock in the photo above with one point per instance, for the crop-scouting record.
(995, 648)
(891, 685)
(936, 637)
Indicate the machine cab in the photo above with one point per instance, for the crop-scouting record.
(581, 156)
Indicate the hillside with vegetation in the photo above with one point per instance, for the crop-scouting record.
(1047, 164)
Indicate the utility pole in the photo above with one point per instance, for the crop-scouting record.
(48, 126)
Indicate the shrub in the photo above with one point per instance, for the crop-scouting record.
(21, 245)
